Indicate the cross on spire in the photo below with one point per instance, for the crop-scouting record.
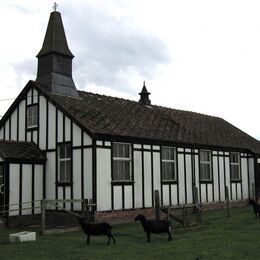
(55, 6)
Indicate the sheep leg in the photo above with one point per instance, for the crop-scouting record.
(88, 239)
(169, 236)
(148, 237)
(113, 238)
(109, 238)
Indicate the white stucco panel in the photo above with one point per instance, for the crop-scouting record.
(189, 179)
(60, 126)
(14, 125)
(26, 188)
(76, 135)
(87, 139)
(77, 177)
(156, 172)
(38, 186)
(87, 173)
(138, 178)
(68, 197)
(52, 126)
(222, 179)
(215, 178)
(118, 197)
(22, 120)
(244, 176)
(103, 179)
(174, 194)
(14, 188)
(181, 178)
(128, 197)
(148, 189)
(166, 197)
(42, 122)
(67, 129)
(50, 177)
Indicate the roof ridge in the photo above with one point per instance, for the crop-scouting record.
(151, 106)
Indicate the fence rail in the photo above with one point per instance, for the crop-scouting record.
(88, 208)
(20, 204)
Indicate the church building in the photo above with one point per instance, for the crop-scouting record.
(57, 142)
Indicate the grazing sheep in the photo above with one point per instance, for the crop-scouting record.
(155, 226)
(96, 230)
(256, 207)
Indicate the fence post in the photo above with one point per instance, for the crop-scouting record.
(157, 204)
(184, 214)
(91, 210)
(196, 201)
(227, 200)
(43, 208)
(253, 191)
(169, 214)
(84, 208)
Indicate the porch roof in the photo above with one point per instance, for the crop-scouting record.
(21, 152)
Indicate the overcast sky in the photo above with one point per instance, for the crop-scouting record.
(201, 56)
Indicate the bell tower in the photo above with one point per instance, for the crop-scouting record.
(55, 59)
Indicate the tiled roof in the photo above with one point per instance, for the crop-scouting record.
(117, 117)
(17, 151)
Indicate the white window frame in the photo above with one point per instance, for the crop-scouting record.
(207, 163)
(67, 174)
(235, 164)
(124, 159)
(32, 119)
(169, 161)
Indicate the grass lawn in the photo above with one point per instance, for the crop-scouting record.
(218, 237)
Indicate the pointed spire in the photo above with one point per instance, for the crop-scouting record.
(55, 59)
(55, 39)
(144, 96)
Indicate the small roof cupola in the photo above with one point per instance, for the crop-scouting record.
(144, 96)
(55, 59)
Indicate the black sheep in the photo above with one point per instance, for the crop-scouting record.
(256, 207)
(96, 230)
(155, 226)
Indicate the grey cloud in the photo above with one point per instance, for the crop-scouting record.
(25, 67)
(104, 47)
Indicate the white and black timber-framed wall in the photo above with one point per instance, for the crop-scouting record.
(147, 177)
(53, 128)
(92, 164)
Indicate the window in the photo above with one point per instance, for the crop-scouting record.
(32, 116)
(234, 166)
(205, 165)
(64, 164)
(121, 162)
(168, 164)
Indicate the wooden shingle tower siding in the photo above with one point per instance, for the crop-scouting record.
(117, 151)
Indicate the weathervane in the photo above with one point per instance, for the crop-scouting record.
(55, 6)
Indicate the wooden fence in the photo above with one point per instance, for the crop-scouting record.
(88, 209)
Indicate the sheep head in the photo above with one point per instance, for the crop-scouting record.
(139, 217)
